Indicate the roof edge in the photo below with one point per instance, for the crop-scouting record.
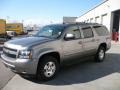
(94, 8)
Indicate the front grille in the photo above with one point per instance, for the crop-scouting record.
(9, 52)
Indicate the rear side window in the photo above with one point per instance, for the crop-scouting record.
(87, 32)
(101, 30)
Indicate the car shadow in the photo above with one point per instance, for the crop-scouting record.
(85, 71)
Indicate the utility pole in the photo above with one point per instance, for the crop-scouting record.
(8, 19)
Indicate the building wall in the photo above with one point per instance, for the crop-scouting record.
(114, 5)
(69, 19)
(101, 13)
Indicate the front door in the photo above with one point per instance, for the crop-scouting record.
(73, 48)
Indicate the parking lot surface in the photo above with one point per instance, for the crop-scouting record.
(83, 76)
(5, 74)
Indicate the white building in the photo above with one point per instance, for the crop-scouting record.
(69, 19)
(106, 13)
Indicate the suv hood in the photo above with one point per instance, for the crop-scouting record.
(28, 41)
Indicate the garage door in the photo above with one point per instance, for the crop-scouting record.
(97, 20)
(91, 20)
(104, 20)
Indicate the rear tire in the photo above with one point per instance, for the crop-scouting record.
(47, 68)
(100, 55)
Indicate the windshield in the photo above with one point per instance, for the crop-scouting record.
(51, 31)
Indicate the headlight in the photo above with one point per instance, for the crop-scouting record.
(25, 54)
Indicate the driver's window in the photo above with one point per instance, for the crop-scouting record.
(75, 31)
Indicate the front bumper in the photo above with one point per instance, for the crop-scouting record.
(22, 66)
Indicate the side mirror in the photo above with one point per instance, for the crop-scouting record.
(69, 36)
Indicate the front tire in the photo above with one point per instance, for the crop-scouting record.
(100, 55)
(48, 68)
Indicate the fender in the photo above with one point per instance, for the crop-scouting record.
(46, 52)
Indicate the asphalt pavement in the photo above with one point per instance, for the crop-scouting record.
(5, 74)
(82, 76)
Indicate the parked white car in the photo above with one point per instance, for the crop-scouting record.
(11, 33)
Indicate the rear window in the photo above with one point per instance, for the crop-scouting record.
(101, 30)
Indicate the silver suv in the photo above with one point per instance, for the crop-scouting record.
(43, 53)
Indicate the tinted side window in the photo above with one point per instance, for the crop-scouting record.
(101, 31)
(87, 32)
(75, 31)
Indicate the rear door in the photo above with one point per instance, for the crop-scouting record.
(89, 43)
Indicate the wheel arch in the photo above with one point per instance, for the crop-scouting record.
(55, 54)
(103, 45)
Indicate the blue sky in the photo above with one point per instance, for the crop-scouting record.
(38, 11)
